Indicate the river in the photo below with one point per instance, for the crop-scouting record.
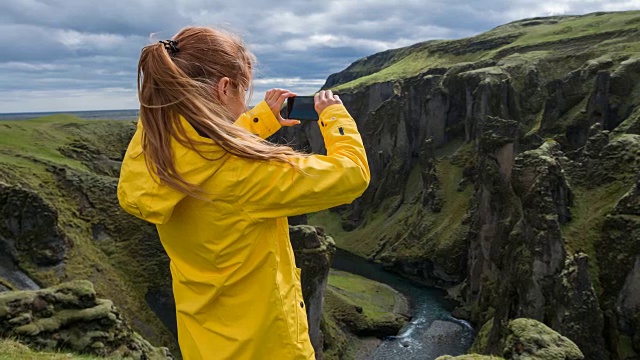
(432, 332)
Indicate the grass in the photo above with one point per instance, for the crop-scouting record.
(375, 298)
(578, 26)
(119, 268)
(541, 40)
(590, 207)
(406, 67)
(12, 350)
(355, 305)
(410, 232)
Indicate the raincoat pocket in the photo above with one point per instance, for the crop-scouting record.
(301, 318)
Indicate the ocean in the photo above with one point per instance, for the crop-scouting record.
(89, 115)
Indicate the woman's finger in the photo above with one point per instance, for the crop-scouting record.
(268, 95)
(289, 122)
(272, 95)
(284, 96)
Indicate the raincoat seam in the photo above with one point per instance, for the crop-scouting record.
(152, 198)
(234, 196)
(285, 313)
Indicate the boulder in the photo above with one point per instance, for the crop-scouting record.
(69, 316)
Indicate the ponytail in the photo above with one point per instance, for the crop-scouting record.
(178, 78)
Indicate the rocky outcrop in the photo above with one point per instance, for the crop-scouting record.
(495, 210)
(575, 311)
(29, 236)
(29, 230)
(70, 317)
(528, 339)
(529, 273)
(313, 251)
(359, 312)
(620, 249)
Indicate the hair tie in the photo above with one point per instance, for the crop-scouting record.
(170, 46)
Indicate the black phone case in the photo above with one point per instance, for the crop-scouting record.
(301, 108)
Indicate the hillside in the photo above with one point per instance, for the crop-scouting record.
(62, 220)
(505, 166)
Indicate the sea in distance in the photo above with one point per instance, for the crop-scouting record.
(88, 115)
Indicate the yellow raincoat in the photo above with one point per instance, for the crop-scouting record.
(235, 283)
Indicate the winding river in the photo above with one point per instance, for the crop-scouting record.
(432, 332)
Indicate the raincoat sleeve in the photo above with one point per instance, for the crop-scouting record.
(273, 189)
(259, 121)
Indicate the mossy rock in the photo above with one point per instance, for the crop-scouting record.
(469, 357)
(69, 316)
(364, 307)
(12, 350)
(480, 343)
(532, 340)
(357, 309)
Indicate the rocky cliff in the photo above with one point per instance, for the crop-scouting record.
(506, 165)
(60, 219)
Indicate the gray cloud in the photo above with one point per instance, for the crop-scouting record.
(76, 54)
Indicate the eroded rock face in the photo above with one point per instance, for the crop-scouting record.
(535, 130)
(575, 309)
(529, 274)
(313, 251)
(70, 317)
(495, 211)
(29, 228)
(620, 249)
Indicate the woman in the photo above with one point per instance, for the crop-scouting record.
(220, 194)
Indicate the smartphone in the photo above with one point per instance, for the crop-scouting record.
(301, 108)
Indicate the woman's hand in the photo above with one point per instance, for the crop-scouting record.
(324, 99)
(275, 98)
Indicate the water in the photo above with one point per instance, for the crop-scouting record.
(89, 115)
(432, 332)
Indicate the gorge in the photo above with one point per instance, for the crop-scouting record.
(505, 169)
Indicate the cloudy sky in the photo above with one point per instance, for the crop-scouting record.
(63, 55)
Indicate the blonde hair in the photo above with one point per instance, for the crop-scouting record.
(183, 82)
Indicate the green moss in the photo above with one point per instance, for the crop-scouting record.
(119, 268)
(539, 341)
(590, 207)
(411, 232)
(406, 67)
(362, 304)
(469, 357)
(625, 348)
(12, 350)
(481, 340)
(576, 27)
(356, 308)
(441, 232)
(7, 284)
(338, 343)
(592, 36)
(376, 299)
